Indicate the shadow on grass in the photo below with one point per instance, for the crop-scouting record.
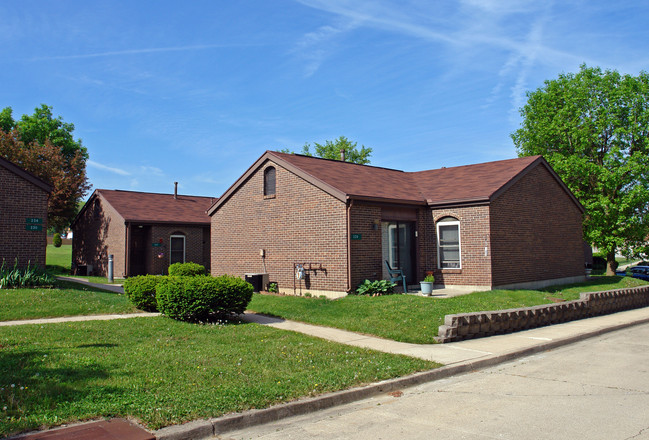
(100, 345)
(57, 270)
(593, 281)
(40, 382)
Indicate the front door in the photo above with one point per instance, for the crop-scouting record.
(138, 248)
(398, 245)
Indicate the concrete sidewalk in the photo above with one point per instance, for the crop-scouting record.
(474, 349)
(458, 357)
(117, 288)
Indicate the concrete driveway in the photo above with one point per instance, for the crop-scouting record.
(594, 389)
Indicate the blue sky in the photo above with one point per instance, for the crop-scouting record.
(195, 91)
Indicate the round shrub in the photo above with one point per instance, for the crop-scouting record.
(57, 241)
(202, 298)
(141, 291)
(186, 269)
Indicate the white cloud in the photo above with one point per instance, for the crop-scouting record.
(133, 52)
(316, 46)
(151, 171)
(100, 166)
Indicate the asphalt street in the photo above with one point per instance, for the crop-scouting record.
(594, 389)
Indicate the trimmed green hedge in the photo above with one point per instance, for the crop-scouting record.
(186, 269)
(141, 291)
(202, 298)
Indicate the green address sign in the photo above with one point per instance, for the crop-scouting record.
(356, 236)
(34, 221)
(33, 227)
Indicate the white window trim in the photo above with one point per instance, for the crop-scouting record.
(184, 247)
(459, 243)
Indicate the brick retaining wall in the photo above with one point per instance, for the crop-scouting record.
(480, 324)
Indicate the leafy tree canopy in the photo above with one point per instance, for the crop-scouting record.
(331, 150)
(44, 146)
(42, 126)
(593, 128)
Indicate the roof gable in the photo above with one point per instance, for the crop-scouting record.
(468, 184)
(156, 208)
(10, 166)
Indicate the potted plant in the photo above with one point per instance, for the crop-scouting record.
(427, 284)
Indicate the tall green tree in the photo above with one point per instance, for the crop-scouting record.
(593, 128)
(331, 150)
(42, 126)
(45, 146)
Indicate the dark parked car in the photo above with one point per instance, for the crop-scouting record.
(641, 272)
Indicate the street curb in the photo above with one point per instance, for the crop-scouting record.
(202, 429)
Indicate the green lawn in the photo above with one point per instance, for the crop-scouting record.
(164, 372)
(416, 319)
(68, 299)
(58, 260)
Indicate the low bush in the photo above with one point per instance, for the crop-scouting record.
(186, 269)
(141, 291)
(202, 298)
(21, 277)
(57, 241)
(375, 288)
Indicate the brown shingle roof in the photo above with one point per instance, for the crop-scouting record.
(470, 183)
(457, 185)
(358, 181)
(158, 208)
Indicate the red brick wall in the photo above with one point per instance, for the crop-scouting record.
(536, 232)
(99, 232)
(21, 199)
(197, 244)
(474, 236)
(301, 224)
(366, 256)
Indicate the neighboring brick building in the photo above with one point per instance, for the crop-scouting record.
(144, 232)
(510, 223)
(23, 216)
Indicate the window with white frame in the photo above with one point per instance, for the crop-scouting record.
(448, 243)
(177, 249)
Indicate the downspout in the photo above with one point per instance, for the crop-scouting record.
(350, 203)
(126, 249)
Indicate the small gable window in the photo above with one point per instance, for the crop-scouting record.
(269, 182)
(448, 243)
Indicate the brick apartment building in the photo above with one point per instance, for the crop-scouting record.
(510, 223)
(145, 232)
(23, 216)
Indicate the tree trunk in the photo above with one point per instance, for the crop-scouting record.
(611, 264)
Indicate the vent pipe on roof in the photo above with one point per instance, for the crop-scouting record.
(175, 190)
(342, 155)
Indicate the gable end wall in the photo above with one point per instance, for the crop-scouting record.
(301, 223)
(21, 199)
(536, 232)
(99, 232)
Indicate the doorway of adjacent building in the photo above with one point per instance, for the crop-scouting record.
(137, 250)
(398, 248)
